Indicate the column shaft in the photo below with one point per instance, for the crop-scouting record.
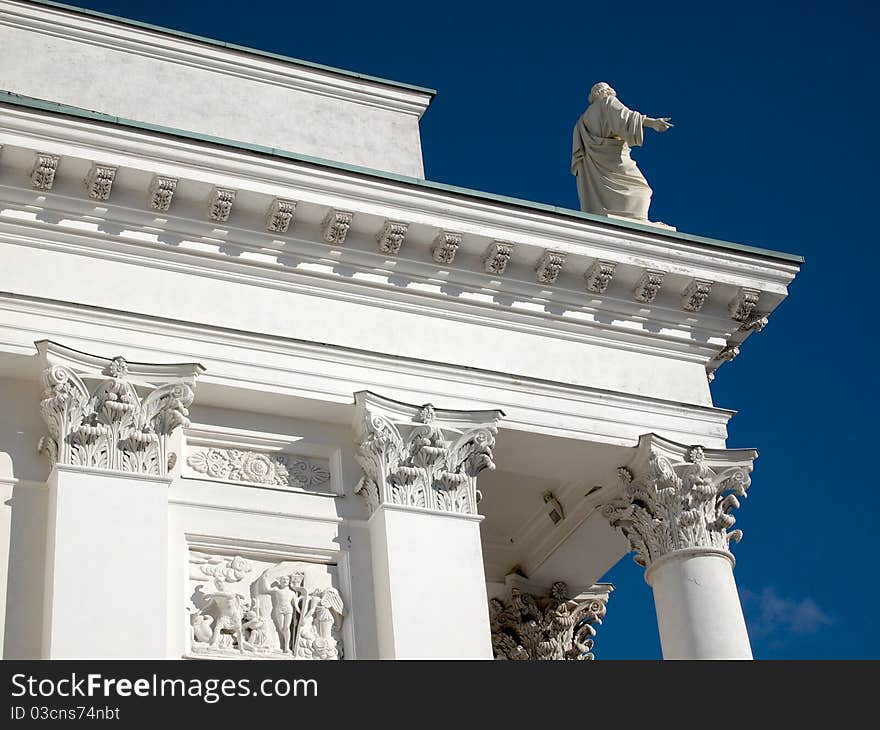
(698, 608)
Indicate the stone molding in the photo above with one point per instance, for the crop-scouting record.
(420, 457)
(583, 242)
(678, 497)
(123, 423)
(546, 624)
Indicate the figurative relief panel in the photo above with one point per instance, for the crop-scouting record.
(246, 607)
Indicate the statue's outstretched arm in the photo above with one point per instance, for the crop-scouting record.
(661, 124)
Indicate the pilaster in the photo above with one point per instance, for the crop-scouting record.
(420, 468)
(111, 427)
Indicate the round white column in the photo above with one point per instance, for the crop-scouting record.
(675, 511)
(698, 608)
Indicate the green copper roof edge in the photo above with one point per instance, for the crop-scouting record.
(14, 99)
(233, 46)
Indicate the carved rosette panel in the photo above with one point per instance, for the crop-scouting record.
(114, 427)
(552, 627)
(679, 506)
(256, 608)
(420, 464)
(254, 467)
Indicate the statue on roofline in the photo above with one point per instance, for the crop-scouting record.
(609, 182)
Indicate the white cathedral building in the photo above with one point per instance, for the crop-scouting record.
(268, 393)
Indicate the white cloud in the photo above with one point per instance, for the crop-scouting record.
(770, 615)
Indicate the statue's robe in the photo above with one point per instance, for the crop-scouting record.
(608, 180)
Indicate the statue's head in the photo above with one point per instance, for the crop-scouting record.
(284, 581)
(296, 580)
(600, 90)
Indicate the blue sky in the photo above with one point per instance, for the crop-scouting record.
(776, 109)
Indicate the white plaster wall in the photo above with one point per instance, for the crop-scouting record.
(188, 94)
(22, 520)
(20, 430)
(22, 569)
(311, 527)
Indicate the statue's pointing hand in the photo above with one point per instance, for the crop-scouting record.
(661, 124)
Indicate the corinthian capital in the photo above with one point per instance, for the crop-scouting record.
(123, 422)
(421, 457)
(680, 497)
(546, 624)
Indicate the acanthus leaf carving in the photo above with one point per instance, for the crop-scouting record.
(744, 303)
(390, 238)
(427, 466)
(546, 627)
(695, 295)
(99, 181)
(113, 427)
(496, 257)
(648, 286)
(162, 191)
(445, 246)
(679, 505)
(42, 174)
(549, 266)
(220, 204)
(599, 275)
(280, 215)
(334, 227)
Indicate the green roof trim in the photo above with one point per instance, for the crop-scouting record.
(8, 97)
(233, 46)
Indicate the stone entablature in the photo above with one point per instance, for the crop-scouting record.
(421, 457)
(124, 422)
(679, 498)
(623, 288)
